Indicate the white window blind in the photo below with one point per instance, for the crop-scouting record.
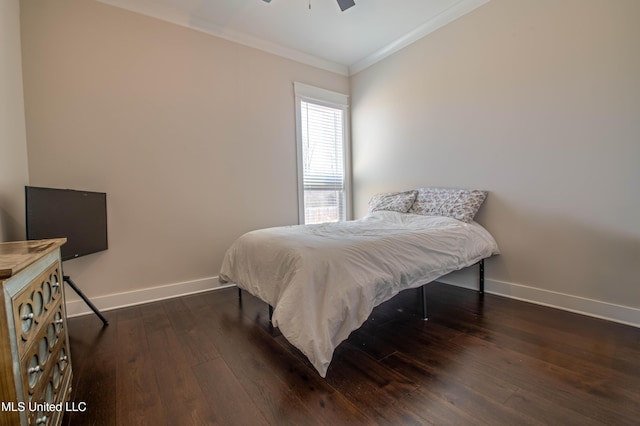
(323, 156)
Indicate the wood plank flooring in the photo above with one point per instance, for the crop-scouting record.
(208, 359)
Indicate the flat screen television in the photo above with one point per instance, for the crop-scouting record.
(80, 216)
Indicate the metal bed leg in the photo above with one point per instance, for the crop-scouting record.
(423, 297)
(240, 300)
(481, 283)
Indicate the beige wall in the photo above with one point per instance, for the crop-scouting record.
(191, 136)
(538, 102)
(14, 174)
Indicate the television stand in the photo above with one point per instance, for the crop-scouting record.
(67, 279)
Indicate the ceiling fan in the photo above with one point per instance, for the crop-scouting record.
(344, 4)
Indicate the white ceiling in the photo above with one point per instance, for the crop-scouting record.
(322, 36)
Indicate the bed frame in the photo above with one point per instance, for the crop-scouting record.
(423, 294)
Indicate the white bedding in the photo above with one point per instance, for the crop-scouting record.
(324, 280)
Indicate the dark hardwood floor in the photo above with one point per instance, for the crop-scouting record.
(204, 359)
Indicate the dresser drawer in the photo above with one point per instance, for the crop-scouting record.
(51, 387)
(46, 358)
(33, 305)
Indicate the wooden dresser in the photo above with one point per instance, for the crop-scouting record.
(35, 364)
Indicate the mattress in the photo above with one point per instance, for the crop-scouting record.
(324, 280)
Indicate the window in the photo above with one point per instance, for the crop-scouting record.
(323, 155)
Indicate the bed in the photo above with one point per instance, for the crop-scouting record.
(324, 280)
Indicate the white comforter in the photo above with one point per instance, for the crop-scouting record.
(324, 280)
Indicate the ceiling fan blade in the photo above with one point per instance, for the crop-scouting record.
(344, 4)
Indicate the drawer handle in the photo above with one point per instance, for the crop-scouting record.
(41, 420)
(63, 358)
(28, 316)
(58, 321)
(34, 369)
(56, 284)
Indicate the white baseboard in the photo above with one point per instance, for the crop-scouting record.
(580, 305)
(137, 297)
(594, 308)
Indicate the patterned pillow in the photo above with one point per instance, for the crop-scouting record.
(461, 204)
(393, 201)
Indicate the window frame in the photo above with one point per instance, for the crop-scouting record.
(327, 98)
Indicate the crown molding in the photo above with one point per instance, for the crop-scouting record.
(166, 13)
(163, 12)
(451, 14)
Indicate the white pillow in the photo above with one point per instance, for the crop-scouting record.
(393, 201)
